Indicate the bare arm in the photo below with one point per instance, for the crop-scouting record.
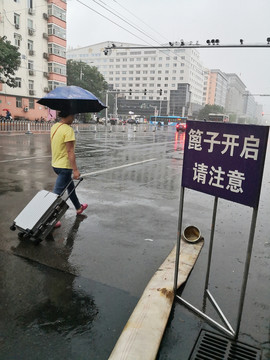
(72, 158)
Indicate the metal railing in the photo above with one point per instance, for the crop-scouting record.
(26, 126)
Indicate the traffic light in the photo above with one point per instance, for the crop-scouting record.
(145, 91)
(160, 92)
(130, 91)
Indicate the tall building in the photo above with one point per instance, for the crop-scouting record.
(170, 80)
(235, 95)
(38, 29)
(217, 84)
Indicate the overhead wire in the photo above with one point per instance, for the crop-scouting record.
(121, 18)
(128, 22)
(105, 17)
(140, 19)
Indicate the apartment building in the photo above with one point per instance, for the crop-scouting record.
(38, 29)
(170, 80)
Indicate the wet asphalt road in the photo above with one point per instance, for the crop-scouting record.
(71, 296)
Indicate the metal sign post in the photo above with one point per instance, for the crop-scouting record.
(226, 161)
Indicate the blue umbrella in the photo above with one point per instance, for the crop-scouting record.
(72, 100)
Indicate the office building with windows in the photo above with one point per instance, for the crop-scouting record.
(170, 80)
(38, 29)
(217, 86)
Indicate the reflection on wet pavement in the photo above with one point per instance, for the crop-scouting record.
(49, 314)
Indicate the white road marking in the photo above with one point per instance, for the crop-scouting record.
(117, 167)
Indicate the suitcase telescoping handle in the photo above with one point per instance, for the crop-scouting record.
(75, 185)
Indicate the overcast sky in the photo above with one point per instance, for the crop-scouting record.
(160, 21)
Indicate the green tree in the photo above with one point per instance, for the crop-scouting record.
(10, 60)
(208, 109)
(87, 77)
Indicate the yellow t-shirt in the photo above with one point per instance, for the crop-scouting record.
(62, 134)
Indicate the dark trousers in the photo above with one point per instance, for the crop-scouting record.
(63, 178)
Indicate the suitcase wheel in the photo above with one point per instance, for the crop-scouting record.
(13, 227)
(22, 235)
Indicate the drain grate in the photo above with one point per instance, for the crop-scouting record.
(211, 346)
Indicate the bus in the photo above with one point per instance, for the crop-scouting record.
(218, 117)
(167, 120)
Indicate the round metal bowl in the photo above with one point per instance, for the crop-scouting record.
(191, 234)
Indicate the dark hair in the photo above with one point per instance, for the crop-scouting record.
(64, 114)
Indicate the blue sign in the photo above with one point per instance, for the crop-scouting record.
(225, 160)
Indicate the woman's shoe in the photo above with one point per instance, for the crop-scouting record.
(58, 224)
(82, 208)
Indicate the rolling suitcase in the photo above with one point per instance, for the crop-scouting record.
(38, 218)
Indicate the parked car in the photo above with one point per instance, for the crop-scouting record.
(131, 121)
(181, 127)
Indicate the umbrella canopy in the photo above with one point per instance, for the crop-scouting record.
(72, 99)
(5, 110)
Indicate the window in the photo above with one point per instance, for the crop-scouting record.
(53, 84)
(57, 31)
(31, 103)
(18, 102)
(30, 24)
(30, 65)
(18, 82)
(56, 50)
(57, 12)
(31, 84)
(57, 68)
(30, 4)
(17, 39)
(16, 20)
(30, 45)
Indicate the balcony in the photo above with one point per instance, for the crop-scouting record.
(31, 92)
(31, 72)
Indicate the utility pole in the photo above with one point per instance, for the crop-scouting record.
(106, 111)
